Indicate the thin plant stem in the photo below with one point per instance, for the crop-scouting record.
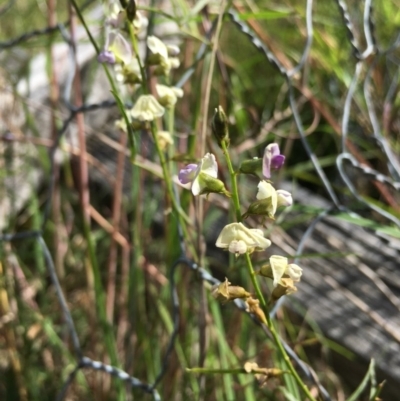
(233, 175)
(271, 328)
(260, 296)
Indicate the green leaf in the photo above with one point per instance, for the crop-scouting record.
(362, 222)
(265, 15)
(370, 373)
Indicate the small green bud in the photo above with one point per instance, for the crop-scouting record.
(209, 184)
(262, 207)
(266, 271)
(220, 127)
(251, 166)
(131, 10)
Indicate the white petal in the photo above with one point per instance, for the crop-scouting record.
(156, 46)
(284, 198)
(266, 190)
(278, 266)
(294, 271)
(227, 235)
(147, 108)
(238, 234)
(209, 165)
(237, 247)
(261, 242)
(196, 187)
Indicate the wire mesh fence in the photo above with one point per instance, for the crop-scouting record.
(368, 54)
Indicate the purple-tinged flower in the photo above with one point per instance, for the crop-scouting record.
(196, 173)
(272, 159)
(203, 177)
(188, 173)
(106, 56)
(118, 45)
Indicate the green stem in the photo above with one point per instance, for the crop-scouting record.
(136, 50)
(235, 193)
(216, 371)
(275, 335)
(167, 177)
(260, 296)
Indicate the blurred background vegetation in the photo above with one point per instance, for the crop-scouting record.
(36, 354)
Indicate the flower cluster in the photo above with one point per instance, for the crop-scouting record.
(236, 237)
(129, 66)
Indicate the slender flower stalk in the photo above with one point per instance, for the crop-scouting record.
(260, 296)
(235, 193)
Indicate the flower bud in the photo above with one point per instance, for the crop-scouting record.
(251, 166)
(262, 207)
(164, 139)
(219, 127)
(131, 10)
(272, 160)
(225, 292)
(209, 184)
(266, 271)
(168, 95)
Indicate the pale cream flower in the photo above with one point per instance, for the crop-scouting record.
(278, 197)
(147, 108)
(266, 190)
(119, 46)
(203, 177)
(174, 62)
(129, 72)
(239, 239)
(168, 95)
(139, 23)
(164, 139)
(281, 267)
(160, 56)
(208, 165)
(158, 48)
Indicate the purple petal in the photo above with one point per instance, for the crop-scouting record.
(188, 173)
(272, 159)
(277, 162)
(273, 149)
(106, 56)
